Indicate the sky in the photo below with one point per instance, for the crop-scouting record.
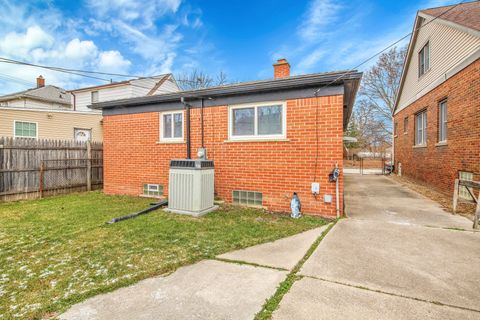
(241, 38)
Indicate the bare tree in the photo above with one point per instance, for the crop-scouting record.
(197, 79)
(373, 111)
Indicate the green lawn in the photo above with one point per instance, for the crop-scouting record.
(58, 251)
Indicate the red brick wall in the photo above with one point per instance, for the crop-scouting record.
(439, 165)
(276, 168)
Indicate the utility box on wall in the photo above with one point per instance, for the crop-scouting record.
(191, 187)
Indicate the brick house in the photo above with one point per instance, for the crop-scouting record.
(437, 111)
(267, 138)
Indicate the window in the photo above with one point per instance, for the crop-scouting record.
(94, 96)
(248, 198)
(405, 125)
(463, 193)
(424, 59)
(442, 121)
(25, 129)
(395, 129)
(152, 190)
(258, 121)
(171, 126)
(421, 128)
(82, 135)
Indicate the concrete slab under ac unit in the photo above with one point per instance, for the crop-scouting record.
(192, 213)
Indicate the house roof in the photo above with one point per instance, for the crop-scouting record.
(47, 93)
(161, 78)
(465, 14)
(304, 86)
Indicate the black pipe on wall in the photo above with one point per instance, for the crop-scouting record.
(187, 109)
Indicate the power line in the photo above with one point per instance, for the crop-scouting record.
(386, 48)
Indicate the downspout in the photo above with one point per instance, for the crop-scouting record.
(187, 111)
(337, 195)
(74, 101)
(201, 116)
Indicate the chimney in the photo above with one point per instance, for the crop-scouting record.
(40, 82)
(281, 69)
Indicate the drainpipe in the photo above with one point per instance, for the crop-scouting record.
(74, 101)
(187, 111)
(201, 115)
(337, 195)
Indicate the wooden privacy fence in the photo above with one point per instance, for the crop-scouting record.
(31, 168)
(470, 186)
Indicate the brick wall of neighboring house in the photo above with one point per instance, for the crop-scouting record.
(438, 165)
(133, 157)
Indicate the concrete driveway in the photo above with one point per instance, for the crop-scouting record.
(397, 256)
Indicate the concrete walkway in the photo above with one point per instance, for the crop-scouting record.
(396, 257)
(210, 289)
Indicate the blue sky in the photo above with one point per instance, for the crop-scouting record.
(240, 38)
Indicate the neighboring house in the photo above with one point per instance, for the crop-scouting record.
(437, 110)
(267, 138)
(83, 97)
(49, 112)
(45, 112)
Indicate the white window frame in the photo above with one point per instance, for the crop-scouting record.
(172, 139)
(91, 96)
(423, 141)
(15, 125)
(84, 129)
(443, 121)
(256, 136)
(426, 59)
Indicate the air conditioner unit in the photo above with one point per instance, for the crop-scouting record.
(191, 187)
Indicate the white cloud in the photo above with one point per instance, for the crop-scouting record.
(110, 61)
(21, 43)
(143, 12)
(320, 14)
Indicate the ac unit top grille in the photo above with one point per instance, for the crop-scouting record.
(191, 164)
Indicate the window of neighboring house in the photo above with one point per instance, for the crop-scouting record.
(94, 96)
(258, 121)
(442, 121)
(424, 59)
(395, 129)
(421, 128)
(171, 126)
(463, 192)
(24, 129)
(405, 125)
(82, 135)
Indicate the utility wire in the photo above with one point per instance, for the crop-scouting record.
(386, 48)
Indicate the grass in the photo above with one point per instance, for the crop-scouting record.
(58, 251)
(274, 301)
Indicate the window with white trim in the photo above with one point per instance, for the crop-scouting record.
(421, 128)
(171, 126)
(24, 129)
(424, 59)
(94, 96)
(258, 121)
(442, 121)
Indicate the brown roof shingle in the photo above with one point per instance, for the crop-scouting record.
(465, 14)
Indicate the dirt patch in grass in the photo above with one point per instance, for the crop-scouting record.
(446, 201)
(58, 251)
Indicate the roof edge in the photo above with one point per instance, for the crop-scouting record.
(318, 79)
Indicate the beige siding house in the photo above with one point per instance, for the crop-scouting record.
(50, 112)
(50, 124)
(83, 97)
